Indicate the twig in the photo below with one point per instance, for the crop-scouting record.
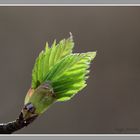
(26, 117)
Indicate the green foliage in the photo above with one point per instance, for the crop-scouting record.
(66, 71)
(48, 58)
(71, 76)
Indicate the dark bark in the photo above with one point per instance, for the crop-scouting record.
(26, 117)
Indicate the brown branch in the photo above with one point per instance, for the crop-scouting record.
(26, 117)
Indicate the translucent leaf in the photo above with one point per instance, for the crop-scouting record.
(48, 58)
(69, 76)
(67, 72)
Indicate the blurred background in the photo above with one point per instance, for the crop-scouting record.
(110, 103)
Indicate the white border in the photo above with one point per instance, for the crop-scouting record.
(70, 135)
(90, 5)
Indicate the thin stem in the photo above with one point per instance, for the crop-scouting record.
(26, 117)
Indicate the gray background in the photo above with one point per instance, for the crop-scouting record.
(110, 103)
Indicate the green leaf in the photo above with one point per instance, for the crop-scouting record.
(48, 58)
(69, 76)
(58, 75)
(67, 72)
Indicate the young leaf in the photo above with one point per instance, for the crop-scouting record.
(69, 76)
(66, 78)
(48, 58)
(64, 71)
